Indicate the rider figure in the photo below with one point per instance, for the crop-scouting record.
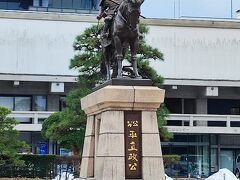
(107, 11)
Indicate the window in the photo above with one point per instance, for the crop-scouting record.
(224, 106)
(174, 105)
(62, 103)
(15, 4)
(238, 159)
(6, 102)
(67, 4)
(3, 5)
(74, 4)
(189, 106)
(55, 3)
(39, 103)
(22, 104)
(77, 4)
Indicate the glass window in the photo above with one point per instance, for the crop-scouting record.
(189, 106)
(45, 3)
(214, 160)
(174, 105)
(56, 3)
(22, 104)
(87, 4)
(223, 106)
(227, 159)
(95, 4)
(62, 103)
(76, 4)
(3, 5)
(6, 102)
(193, 153)
(24, 4)
(39, 103)
(67, 4)
(13, 5)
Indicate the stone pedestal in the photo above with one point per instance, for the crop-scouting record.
(104, 147)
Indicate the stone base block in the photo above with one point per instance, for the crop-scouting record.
(153, 168)
(104, 153)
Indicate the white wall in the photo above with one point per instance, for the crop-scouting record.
(197, 52)
(37, 46)
(45, 46)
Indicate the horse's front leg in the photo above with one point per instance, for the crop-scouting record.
(134, 47)
(119, 56)
(108, 70)
(107, 63)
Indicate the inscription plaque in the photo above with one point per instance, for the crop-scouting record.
(133, 144)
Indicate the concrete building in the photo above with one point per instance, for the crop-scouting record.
(201, 70)
(202, 92)
(36, 48)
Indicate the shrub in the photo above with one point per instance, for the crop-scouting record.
(171, 159)
(40, 166)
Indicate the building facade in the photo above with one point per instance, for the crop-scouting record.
(201, 70)
(202, 92)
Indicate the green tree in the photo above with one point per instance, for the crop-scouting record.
(68, 126)
(9, 144)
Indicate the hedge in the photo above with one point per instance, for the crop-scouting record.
(40, 166)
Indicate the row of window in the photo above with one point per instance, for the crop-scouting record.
(24, 103)
(214, 106)
(15, 4)
(28, 103)
(58, 4)
(71, 4)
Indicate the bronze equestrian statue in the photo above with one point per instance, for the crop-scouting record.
(120, 32)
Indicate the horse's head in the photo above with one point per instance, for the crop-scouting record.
(134, 11)
(135, 3)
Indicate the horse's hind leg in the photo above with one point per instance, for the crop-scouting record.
(119, 56)
(107, 63)
(133, 47)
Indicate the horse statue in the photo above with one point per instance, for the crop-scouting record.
(124, 33)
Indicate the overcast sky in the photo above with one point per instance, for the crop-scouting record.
(190, 8)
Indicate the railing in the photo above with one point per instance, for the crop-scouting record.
(201, 123)
(36, 118)
(177, 123)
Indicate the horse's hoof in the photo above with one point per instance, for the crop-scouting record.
(138, 77)
(119, 76)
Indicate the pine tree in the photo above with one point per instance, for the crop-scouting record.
(10, 146)
(68, 125)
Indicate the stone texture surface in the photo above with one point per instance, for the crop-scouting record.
(111, 145)
(148, 95)
(151, 146)
(153, 168)
(124, 98)
(149, 122)
(88, 149)
(87, 170)
(90, 126)
(105, 132)
(110, 168)
(112, 122)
